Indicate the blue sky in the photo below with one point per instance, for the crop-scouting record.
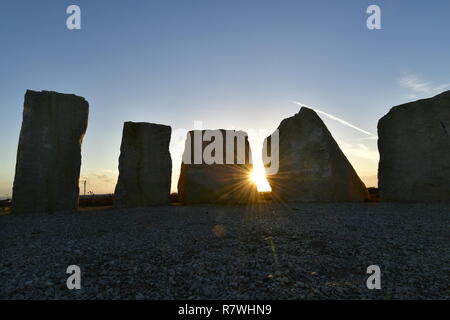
(230, 64)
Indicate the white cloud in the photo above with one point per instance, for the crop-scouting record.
(369, 138)
(360, 150)
(419, 87)
(101, 181)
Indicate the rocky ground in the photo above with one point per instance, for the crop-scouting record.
(300, 251)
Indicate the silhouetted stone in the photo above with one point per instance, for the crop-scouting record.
(312, 167)
(220, 179)
(145, 166)
(414, 145)
(49, 152)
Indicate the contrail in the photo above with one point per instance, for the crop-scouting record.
(336, 119)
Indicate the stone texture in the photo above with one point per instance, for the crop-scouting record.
(49, 152)
(145, 166)
(414, 146)
(312, 167)
(222, 182)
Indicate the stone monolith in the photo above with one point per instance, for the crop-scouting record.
(49, 152)
(312, 167)
(414, 146)
(216, 168)
(145, 165)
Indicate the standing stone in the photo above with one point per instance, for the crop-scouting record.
(145, 166)
(216, 168)
(49, 152)
(312, 167)
(414, 146)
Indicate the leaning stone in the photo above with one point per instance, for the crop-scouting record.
(312, 167)
(145, 166)
(221, 176)
(414, 145)
(49, 152)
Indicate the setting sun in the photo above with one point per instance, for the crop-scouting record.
(258, 176)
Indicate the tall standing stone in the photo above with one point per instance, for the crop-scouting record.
(145, 166)
(49, 152)
(312, 167)
(216, 168)
(414, 146)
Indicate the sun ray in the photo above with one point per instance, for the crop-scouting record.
(258, 176)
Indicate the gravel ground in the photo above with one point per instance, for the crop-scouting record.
(300, 251)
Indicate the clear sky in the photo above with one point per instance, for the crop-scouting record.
(230, 64)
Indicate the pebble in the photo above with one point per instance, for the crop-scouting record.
(172, 253)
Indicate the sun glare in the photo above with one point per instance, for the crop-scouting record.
(258, 176)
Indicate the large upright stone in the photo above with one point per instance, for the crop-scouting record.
(145, 166)
(414, 146)
(49, 152)
(312, 167)
(216, 168)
